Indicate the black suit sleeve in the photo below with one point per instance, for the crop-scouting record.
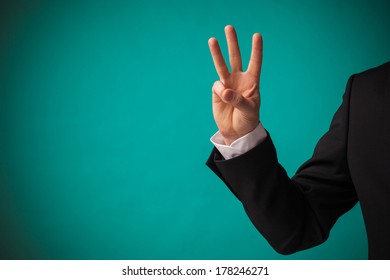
(298, 213)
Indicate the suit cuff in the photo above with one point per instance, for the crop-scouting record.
(241, 145)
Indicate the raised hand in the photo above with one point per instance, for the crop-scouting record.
(236, 97)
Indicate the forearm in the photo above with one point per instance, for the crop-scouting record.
(274, 203)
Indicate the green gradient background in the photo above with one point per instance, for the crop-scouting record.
(105, 119)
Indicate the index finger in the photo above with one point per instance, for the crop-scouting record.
(256, 59)
(219, 61)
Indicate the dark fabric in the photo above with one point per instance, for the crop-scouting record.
(350, 163)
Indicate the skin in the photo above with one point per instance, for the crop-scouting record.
(236, 96)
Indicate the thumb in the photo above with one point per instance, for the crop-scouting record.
(236, 100)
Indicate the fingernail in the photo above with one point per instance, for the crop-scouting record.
(219, 87)
(228, 95)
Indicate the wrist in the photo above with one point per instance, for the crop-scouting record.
(229, 141)
(229, 138)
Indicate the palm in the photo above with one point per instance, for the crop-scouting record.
(231, 121)
(237, 117)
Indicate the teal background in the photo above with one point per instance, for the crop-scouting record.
(105, 120)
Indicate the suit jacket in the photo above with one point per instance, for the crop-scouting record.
(350, 163)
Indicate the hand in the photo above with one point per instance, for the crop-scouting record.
(236, 97)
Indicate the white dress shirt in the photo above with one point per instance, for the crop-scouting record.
(241, 145)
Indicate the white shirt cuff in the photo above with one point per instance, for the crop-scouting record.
(241, 145)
